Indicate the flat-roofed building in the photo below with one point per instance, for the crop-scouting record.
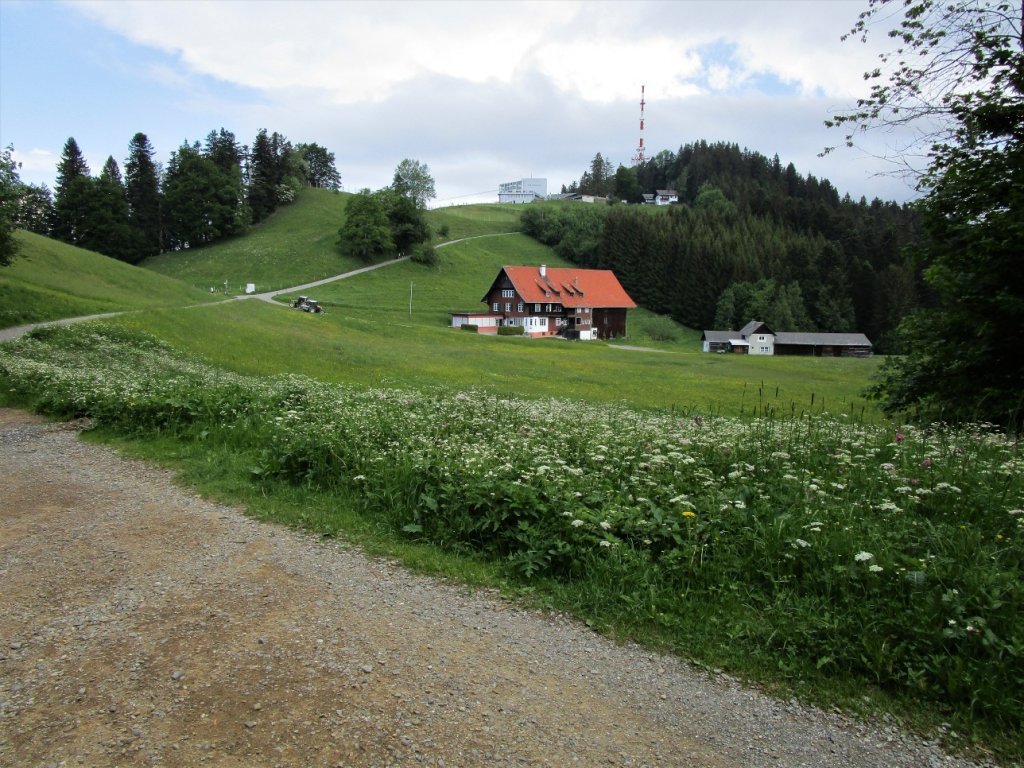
(522, 191)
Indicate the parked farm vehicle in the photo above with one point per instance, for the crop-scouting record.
(307, 304)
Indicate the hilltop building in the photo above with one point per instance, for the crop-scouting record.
(522, 191)
(574, 303)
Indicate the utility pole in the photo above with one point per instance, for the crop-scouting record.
(411, 284)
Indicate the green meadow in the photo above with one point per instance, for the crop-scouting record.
(750, 514)
(51, 280)
(392, 327)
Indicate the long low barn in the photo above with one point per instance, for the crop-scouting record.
(757, 338)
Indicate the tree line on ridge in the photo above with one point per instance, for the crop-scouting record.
(750, 238)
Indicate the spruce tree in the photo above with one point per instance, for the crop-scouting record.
(71, 193)
(142, 189)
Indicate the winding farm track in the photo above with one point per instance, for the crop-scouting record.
(6, 334)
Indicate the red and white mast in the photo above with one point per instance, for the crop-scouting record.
(638, 158)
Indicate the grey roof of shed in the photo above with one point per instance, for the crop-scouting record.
(718, 337)
(822, 339)
(755, 326)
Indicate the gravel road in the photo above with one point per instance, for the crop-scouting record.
(141, 625)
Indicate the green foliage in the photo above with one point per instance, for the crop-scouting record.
(655, 328)
(796, 549)
(781, 306)
(627, 185)
(511, 330)
(200, 200)
(319, 166)
(142, 189)
(413, 181)
(70, 194)
(366, 233)
(961, 361)
(10, 185)
(679, 261)
(425, 254)
(407, 220)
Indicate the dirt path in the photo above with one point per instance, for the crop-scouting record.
(141, 625)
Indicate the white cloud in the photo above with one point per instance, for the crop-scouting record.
(357, 52)
(34, 162)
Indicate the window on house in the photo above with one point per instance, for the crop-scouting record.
(536, 307)
(765, 349)
(508, 293)
(508, 307)
(519, 307)
(495, 306)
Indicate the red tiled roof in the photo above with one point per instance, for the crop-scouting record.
(569, 286)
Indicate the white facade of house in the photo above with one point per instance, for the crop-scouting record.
(761, 344)
(522, 191)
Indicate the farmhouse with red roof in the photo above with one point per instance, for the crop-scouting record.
(563, 301)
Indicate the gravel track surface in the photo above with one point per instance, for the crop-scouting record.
(143, 625)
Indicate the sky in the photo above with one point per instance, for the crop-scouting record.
(482, 92)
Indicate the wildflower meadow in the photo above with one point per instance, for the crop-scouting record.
(886, 555)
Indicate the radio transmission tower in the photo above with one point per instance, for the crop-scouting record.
(638, 158)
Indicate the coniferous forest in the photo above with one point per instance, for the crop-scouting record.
(207, 191)
(749, 238)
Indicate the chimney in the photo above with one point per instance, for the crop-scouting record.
(543, 270)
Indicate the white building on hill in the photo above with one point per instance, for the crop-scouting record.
(523, 191)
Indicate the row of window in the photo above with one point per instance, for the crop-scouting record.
(495, 307)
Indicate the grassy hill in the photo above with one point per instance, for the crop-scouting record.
(472, 220)
(51, 280)
(392, 326)
(296, 244)
(369, 336)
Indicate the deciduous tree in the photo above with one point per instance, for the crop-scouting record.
(413, 180)
(960, 64)
(366, 233)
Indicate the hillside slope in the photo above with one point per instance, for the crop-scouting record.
(297, 244)
(52, 280)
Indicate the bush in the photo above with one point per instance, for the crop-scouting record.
(510, 330)
(470, 327)
(659, 328)
(424, 254)
(443, 231)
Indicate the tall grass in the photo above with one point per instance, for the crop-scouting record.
(789, 549)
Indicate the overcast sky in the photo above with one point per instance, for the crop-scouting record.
(482, 92)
